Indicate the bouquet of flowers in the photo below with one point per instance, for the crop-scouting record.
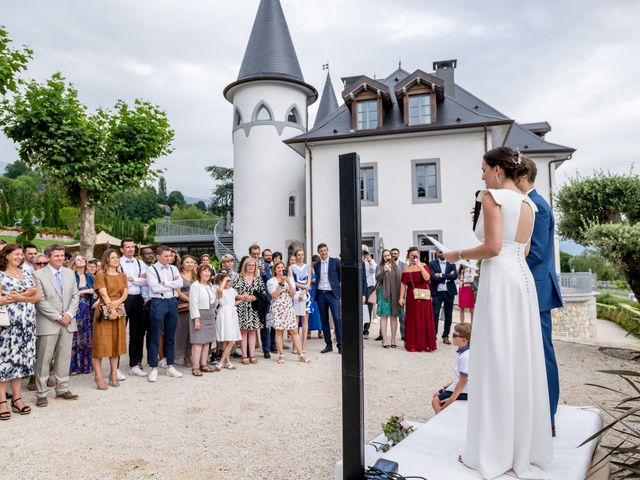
(396, 429)
(106, 314)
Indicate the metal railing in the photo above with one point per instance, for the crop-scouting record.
(578, 282)
(186, 228)
(221, 248)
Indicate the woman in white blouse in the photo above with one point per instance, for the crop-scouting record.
(202, 328)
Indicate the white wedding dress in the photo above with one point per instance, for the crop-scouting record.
(508, 425)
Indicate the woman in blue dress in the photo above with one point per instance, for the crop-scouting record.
(314, 314)
(83, 338)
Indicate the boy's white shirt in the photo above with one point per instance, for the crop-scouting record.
(462, 366)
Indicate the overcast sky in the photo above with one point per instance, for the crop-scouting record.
(570, 63)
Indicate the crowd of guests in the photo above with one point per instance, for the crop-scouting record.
(64, 314)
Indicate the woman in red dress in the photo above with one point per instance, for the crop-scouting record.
(419, 328)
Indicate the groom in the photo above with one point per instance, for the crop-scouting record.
(542, 265)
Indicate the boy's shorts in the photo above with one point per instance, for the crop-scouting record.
(444, 394)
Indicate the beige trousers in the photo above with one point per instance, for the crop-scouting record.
(56, 347)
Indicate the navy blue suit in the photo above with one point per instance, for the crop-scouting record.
(542, 266)
(330, 299)
(443, 297)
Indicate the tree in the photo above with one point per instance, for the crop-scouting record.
(176, 199)
(590, 260)
(16, 169)
(94, 156)
(190, 212)
(604, 211)
(223, 192)
(12, 62)
(200, 205)
(564, 262)
(162, 190)
(141, 204)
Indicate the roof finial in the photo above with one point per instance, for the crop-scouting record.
(325, 66)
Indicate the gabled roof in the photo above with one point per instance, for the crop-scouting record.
(539, 128)
(461, 111)
(418, 77)
(270, 54)
(328, 102)
(365, 83)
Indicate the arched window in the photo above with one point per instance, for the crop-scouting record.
(292, 206)
(263, 114)
(237, 121)
(293, 116)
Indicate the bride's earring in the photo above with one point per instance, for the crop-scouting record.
(499, 179)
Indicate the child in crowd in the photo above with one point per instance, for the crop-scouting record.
(227, 327)
(457, 389)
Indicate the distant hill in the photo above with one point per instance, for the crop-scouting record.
(192, 200)
(571, 247)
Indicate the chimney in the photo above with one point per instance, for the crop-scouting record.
(445, 71)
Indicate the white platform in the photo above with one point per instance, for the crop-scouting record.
(432, 450)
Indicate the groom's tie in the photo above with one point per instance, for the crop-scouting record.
(58, 282)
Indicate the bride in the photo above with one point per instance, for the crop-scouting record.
(508, 424)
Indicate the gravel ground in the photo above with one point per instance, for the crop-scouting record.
(264, 421)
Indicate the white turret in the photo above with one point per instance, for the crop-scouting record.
(270, 100)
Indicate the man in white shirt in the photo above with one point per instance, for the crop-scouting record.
(163, 280)
(30, 254)
(370, 272)
(136, 272)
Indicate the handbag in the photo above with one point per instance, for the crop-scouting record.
(373, 296)
(420, 293)
(4, 317)
(183, 307)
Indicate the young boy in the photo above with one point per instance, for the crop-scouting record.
(457, 389)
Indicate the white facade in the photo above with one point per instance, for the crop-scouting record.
(395, 218)
(267, 173)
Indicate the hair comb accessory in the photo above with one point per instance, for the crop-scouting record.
(518, 158)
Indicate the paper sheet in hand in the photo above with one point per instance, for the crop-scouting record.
(445, 249)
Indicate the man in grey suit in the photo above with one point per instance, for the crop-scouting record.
(55, 324)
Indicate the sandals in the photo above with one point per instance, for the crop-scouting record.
(5, 415)
(386, 346)
(196, 372)
(26, 410)
(280, 359)
(393, 345)
(229, 366)
(304, 359)
(253, 360)
(207, 369)
(244, 361)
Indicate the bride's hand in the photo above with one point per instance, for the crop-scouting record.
(451, 257)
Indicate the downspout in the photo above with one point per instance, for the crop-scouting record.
(486, 141)
(310, 197)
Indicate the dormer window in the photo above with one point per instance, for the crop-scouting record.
(293, 116)
(419, 109)
(263, 114)
(367, 114)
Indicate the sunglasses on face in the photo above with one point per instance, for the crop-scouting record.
(41, 264)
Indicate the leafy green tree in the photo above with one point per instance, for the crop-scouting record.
(189, 212)
(12, 62)
(564, 262)
(141, 204)
(176, 199)
(16, 169)
(94, 156)
(222, 201)
(162, 190)
(590, 260)
(70, 218)
(200, 205)
(604, 211)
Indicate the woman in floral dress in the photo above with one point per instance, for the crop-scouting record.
(18, 295)
(83, 338)
(246, 284)
(282, 290)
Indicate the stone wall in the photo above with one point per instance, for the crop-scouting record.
(575, 319)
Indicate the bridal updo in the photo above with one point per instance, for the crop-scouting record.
(511, 161)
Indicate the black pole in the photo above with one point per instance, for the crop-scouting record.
(352, 372)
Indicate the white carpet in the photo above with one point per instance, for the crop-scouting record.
(432, 450)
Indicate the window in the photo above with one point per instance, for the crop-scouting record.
(293, 116)
(426, 181)
(263, 114)
(372, 241)
(369, 184)
(427, 249)
(367, 114)
(419, 109)
(292, 206)
(238, 118)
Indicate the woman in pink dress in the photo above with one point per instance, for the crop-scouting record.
(419, 328)
(465, 293)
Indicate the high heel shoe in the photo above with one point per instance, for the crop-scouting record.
(114, 383)
(304, 359)
(101, 385)
(26, 410)
(5, 415)
(280, 359)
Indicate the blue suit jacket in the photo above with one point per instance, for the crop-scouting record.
(540, 258)
(334, 274)
(451, 273)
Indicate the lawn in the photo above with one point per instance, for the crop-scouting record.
(41, 244)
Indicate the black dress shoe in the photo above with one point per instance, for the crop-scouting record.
(326, 349)
(378, 338)
(273, 350)
(340, 350)
(267, 355)
(553, 430)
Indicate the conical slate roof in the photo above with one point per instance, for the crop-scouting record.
(270, 50)
(270, 54)
(328, 102)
